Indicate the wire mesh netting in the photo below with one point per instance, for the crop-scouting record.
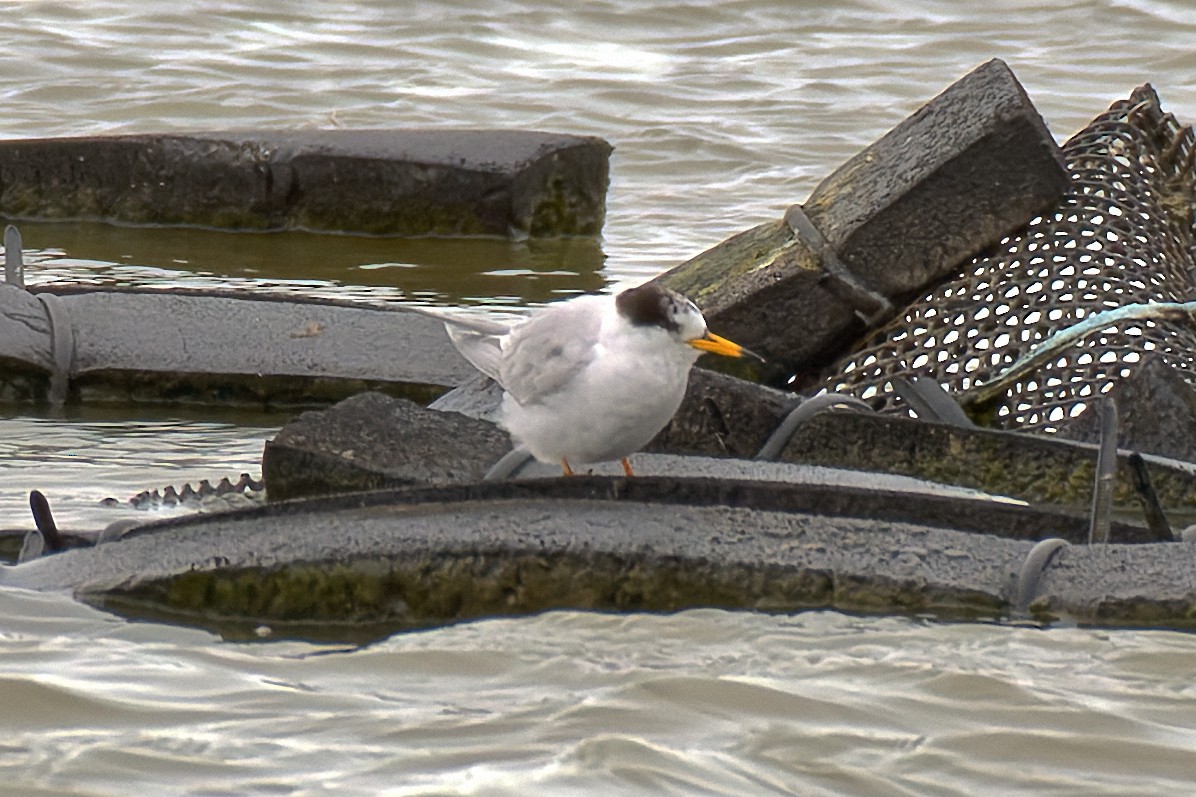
(1122, 235)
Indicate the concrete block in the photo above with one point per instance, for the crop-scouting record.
(363, 566)
(26, 350)
(372, 441)
(976, 163)
(383, 182)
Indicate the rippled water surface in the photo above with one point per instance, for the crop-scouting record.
(721, 117)
(701, 702)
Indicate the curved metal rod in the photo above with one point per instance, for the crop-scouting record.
(1029, 578)
(777, 441)
(45, 520)
(1156, 518)
(510, 464)
(931, 401)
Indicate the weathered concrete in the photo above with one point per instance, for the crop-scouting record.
(1042, 470)
(11, 540)
(382, 182)
(798, 487)
(425, 446)
(377, 569)
(372, 441)
(387, 460)
(26, 353)
(197, 347)
(369, 564)
(456, 439)
(723, 416)
(974, 164)
(387, 454)
(1128, 585)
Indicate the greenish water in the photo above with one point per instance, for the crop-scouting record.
(362, 268)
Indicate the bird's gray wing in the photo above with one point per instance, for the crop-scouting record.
(545, 352)
(478, 339)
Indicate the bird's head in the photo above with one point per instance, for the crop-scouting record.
(651, 305)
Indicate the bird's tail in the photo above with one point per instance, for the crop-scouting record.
(480, 326)
(476, 338)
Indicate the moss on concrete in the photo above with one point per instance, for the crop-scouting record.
(1043, 471)
(508, 183)
(247, 390)
(377, 597)
(23, 383)
(703, 277)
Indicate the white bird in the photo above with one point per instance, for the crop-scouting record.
(592, 379)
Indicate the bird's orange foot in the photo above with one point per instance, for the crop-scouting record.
(626, 463)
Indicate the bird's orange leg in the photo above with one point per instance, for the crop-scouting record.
(626, 463)
(568, 471)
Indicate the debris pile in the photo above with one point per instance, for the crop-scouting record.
(927, 457)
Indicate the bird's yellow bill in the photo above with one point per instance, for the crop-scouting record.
(713, 343)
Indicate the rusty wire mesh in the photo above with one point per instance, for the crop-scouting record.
(1123, 234)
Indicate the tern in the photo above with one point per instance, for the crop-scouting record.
(592, 379)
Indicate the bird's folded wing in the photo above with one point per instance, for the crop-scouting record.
(478, 339)
(545, 353)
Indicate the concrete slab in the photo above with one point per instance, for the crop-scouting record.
(194, 347)
(365, 565)
(375, 568)
(511, 183)
(26, 347)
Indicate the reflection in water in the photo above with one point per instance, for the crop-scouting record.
(444, 270)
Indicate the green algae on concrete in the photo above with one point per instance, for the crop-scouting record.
(1112, 583)
(380, 561)
(767, 287)
(725, 417)
(416, 592)
(267, 392)
(366, 565)
(23, 383)
(1043, 470)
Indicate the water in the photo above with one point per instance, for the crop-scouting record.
(701, 702)
(80, 458)
(721, 117)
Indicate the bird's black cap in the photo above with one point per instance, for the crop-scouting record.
(649, 305)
